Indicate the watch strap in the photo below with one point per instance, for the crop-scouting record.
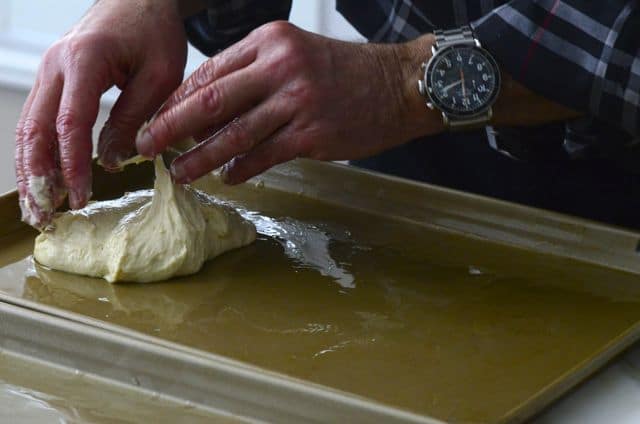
(471, 122)
(462, 35)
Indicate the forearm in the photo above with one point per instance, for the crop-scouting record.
(515, 106)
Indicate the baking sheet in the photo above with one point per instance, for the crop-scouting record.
(444, 304)
(154, 369)
(37, 393)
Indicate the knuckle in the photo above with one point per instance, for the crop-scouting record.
(33, 129)
(302, 92)
(293, 51)
(211, 99)
(73, 49)
(66, 122)
(19, 130)
(290, 60)
(279, 29)
(205, 73)
(286, 65)
(54, 52)
(237, 136)
(78, 48)
(70, 170)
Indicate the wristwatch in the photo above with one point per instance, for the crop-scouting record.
(461, 79)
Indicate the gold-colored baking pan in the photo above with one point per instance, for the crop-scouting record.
(392, 294)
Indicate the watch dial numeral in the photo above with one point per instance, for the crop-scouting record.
(462, 80)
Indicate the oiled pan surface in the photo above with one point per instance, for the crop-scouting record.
(456, 328)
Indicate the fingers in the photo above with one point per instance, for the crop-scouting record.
(76, 117)
(237, 56)
(201, 136)
(40, 173)
(276, 150)
(135, 105)
(19, 156)
(214, 104)
(238, 137)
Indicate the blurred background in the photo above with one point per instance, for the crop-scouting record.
(27, 28)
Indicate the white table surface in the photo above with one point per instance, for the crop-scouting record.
(611, 396)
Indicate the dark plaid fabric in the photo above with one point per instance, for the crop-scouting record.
(581, 53)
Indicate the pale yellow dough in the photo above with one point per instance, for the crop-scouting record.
(148, 235)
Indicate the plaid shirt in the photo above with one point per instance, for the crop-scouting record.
(584, 54)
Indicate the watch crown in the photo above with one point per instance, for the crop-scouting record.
(430, 105)
(423, 65)
(421, 88)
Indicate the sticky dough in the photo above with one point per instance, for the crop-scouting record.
(147, 235)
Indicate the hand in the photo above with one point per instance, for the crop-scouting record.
(138, 45)
(283, 93)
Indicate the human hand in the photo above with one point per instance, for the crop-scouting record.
(283, 93)
(137, 45)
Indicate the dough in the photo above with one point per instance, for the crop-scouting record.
(147, 235)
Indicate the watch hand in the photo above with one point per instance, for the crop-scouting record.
(450, 86)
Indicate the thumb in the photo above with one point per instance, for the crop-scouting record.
(137, 103)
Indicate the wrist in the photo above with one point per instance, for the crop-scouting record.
(418, 120)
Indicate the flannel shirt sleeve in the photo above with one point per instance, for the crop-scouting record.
(580, 53)
(226, 21)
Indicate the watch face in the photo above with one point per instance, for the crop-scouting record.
(462, 80)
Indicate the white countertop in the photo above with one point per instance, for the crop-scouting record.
(612, 395)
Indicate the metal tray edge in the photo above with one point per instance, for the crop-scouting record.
(201, 379)
(459, 212)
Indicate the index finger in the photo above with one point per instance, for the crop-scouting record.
(235, 57)
(214, 104)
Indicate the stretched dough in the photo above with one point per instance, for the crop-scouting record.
(147, 235)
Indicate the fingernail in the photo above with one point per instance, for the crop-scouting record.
(78, 198)
(73, 199)
(145, 145)
(179, 173)
(224, 174)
